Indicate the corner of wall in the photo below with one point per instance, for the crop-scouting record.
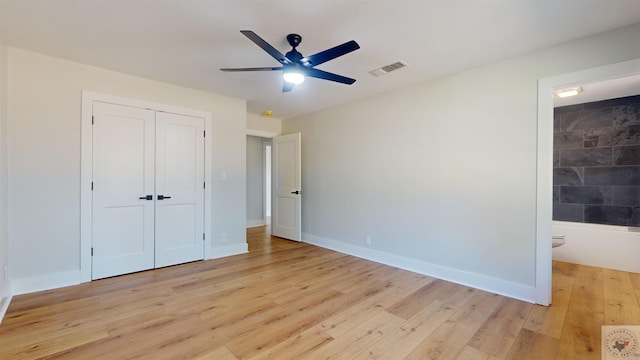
(4, 306)
(5, 289)
(263, 126)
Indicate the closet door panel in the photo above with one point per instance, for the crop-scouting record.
(123, 172)
(179, 189)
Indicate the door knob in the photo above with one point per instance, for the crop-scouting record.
(162, 197)
(148, 197)
(296, 192)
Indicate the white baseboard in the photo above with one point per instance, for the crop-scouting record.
(4, 306)
(68, 278)
(45, 282)
(482, 282)
(229, 250)
(255, 223)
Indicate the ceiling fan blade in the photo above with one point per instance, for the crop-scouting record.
(330, 54)
(266, 46)
(287, 86)
(328, 76)
(252, 69)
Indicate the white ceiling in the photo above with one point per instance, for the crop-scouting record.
(185, 42)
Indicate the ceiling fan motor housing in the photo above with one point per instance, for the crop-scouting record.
(294, 56)
(294, 39)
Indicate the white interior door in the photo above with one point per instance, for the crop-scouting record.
(123, 184)
(287, 192)
(179, 189)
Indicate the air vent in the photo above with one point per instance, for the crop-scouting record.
(388, 68)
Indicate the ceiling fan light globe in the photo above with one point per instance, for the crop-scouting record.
(293, 77)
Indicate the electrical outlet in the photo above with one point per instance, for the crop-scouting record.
(223, 176)
(367, 240)
(223, 237)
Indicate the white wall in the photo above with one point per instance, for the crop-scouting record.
(44, 98)
(4, 235)
(258, 125)
(255, 181)
(442, 175)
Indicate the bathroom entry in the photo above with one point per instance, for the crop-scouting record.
(596, 181)
(546, 88)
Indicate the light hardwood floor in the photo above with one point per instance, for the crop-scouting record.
(287, 300)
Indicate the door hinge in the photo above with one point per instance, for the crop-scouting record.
(202, 236)
(204, 185)
(204, 133)
(92, 186)
(91, 251)
(92, 120)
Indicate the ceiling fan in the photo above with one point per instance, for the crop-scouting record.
(294, 66)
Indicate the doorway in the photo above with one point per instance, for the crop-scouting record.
(544, 166)
(258, 181)
(267, 182)
(594, 155)
(274, 184)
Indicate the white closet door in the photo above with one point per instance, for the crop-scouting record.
(179, 189)
(123, 173)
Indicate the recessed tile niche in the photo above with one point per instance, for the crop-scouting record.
(596, 162)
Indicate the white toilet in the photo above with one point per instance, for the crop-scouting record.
(557, 240)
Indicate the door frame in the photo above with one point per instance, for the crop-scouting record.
(544, 165)
(86, 169)
(266, 180)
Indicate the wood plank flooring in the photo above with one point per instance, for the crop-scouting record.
(287, 300)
